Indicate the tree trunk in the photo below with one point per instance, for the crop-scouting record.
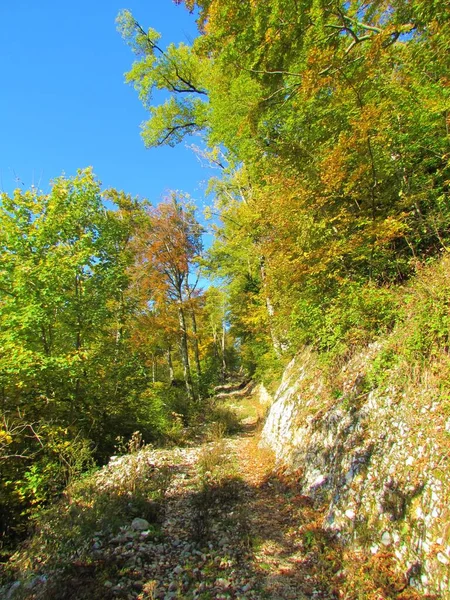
(215, 343)
(196, 347)
(224, 361)
(78, 391)
(79, 318)
(153, 368)
(276, 343)
(170, 364)
(120, 321)
(185, 353)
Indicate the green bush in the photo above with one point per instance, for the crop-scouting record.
(427, 312)
(96, 502)
(357, 314)
(224, 420)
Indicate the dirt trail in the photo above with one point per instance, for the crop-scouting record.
(241, 531)
(231, 527)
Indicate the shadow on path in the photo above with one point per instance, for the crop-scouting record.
(240, 533)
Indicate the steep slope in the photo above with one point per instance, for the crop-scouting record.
(373, 448)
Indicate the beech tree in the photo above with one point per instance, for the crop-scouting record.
(63, 261)
(168, 250)
(338, 112)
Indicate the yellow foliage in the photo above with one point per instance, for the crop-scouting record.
(5, 438)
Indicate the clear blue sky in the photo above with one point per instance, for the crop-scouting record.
(64, 104)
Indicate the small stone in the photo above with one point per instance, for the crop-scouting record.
(140, 524)
(444, 560)
(350, 514)
(320, 479)
(119, 539)
(386, 539)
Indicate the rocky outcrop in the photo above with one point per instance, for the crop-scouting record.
(376, 455)
(262, 394)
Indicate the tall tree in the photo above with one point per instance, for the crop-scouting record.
(338, 112)
(66, 370)
(168, 249)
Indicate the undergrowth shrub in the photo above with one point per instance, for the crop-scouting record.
(261, 362)
(150, 412)
(381, 367)
(61, 461)
(224, 421)
(337, 323)
(219, 484)
(102, 501)
(40, 460)
(371, 577)
(427, 312)
(159, 413)
(355, 315)
(421, 337)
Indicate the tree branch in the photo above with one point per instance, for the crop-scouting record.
(191, 87)
(173, 129)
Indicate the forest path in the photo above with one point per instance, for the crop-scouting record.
(223, 524)
(230, 527)
(234, 529)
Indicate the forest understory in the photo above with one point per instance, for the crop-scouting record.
(215, 520)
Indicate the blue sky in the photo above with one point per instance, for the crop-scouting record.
(64, 104)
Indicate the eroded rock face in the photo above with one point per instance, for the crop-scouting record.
(378, 458)
(263, 395)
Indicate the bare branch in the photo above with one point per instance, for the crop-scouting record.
(364, 26)
(357, 41)
(7, 456)
(173, 129)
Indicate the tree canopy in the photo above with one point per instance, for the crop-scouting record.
(335, 114)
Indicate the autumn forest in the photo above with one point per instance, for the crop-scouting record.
(327, 123)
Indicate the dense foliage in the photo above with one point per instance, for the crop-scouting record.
(95, 305)
(329, 123)
(333, 121)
